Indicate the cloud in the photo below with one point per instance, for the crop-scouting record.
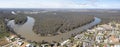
(56, 4)
(43, 4)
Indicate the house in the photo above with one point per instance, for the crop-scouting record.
(64, 42)
(20, 43)
(99, 38)
(29, 45)
(116, 45)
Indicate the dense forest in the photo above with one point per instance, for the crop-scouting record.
(54, 23)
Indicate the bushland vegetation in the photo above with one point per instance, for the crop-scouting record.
(19, 19)
(3, 28)
(54, 23)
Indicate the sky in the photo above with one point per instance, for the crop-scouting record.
(104, 4)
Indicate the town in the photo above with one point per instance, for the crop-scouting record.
(105, 35)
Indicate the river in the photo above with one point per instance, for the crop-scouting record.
(26, 31)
